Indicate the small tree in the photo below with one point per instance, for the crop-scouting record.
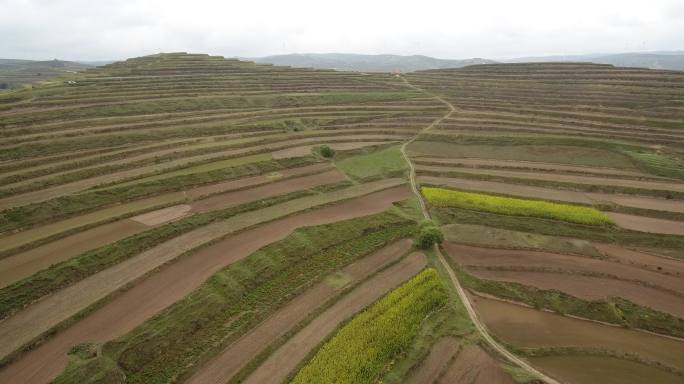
(428, 234)
(326, 151)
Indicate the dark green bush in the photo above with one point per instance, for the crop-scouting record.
(428, 234)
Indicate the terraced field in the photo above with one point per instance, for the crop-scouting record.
(189, 218)
(527, 148)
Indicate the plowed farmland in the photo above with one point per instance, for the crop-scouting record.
(189, 218)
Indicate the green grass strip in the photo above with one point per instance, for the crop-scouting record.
(364, 347)
(515, 207)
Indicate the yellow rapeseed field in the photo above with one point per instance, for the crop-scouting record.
(516, 207)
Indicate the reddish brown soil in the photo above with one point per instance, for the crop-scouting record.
(286, 358)
(24, 264)
(226, 365)
(643, 260)
(226, 200)
(21, 265)
(434, 364)
(592, 288)
(527, 164)
(526, 327)
(175, 281)
(647, 224)
(518, 260)
(661, 186)
(473, 365)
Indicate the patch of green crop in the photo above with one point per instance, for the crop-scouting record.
(384, 163)
(440, 197)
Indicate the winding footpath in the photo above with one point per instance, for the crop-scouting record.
(452, 276)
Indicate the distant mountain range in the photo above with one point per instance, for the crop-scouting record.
(366, 63)
(14, 73)
(389, 63)
(654, 60)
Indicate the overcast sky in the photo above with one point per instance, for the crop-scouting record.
(107, 29)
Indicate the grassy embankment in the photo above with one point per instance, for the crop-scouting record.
(383, 163)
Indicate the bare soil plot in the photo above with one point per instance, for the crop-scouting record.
(473, 162)
(661, 186)
(473, 365)
(519, 260)
(13, 240)
(16, 267)
(169, 284)
(163, 215)
(236, 356)
(480, 235)
(526, 327)
(592, 288)
(540, 153)
(578, 369)
(643, 260)
(437, 360)
(286, 358)
(647, 224)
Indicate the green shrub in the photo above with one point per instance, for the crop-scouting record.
(428, 234)
(326, 151)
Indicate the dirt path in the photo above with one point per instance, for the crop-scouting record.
(437, 360)
(24, 264)
(452, 276)
(286, 358)
(647, 224)
(173, 282)
(236, 356)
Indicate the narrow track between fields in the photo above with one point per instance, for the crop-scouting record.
(452, 276)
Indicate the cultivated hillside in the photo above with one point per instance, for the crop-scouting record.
(15, 73)
(189, 218)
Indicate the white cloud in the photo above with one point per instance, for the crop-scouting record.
(104, 29)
